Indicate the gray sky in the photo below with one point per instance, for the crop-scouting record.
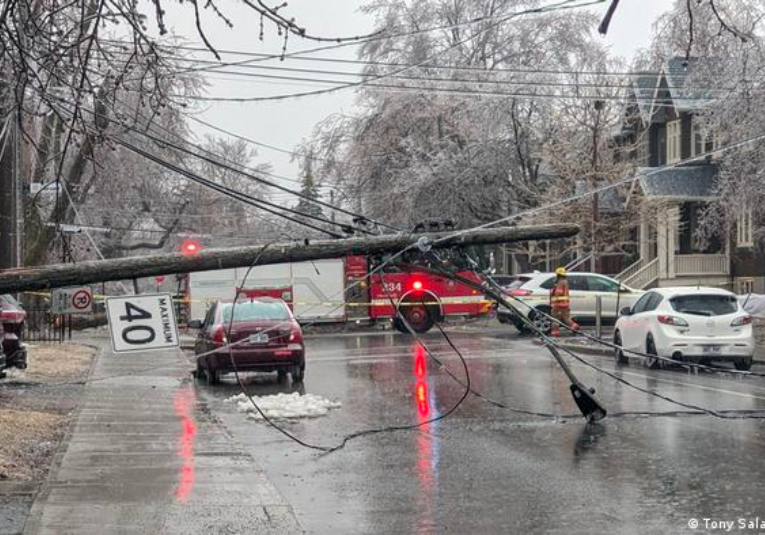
(286, 123)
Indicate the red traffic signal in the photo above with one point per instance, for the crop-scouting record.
(191, 247)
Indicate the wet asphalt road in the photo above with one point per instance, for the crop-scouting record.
(487, 469)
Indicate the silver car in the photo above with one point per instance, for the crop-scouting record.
(531, 299)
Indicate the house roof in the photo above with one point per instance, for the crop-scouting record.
(609, 200)
(644, 87)
(677, 70)
(688, 182)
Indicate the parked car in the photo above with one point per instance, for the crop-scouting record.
(13, 317)
(534, 297)
(264, 337)
(695, 324)
(507, 283)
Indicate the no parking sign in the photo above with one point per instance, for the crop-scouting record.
(72, 301)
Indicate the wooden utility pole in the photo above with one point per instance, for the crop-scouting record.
(10, 239)
(595, 264)
(56, 276)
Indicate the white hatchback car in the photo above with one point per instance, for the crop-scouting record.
(531, 293)
(691, 324)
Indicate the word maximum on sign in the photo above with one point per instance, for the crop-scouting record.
(142, 322)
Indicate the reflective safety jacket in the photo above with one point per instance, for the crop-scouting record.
(559, 295)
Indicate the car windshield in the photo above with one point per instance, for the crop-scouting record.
(256, 311)
(705, 305)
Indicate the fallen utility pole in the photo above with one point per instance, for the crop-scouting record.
(60, 275)
(584, 397)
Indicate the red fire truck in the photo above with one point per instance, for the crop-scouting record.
(343, 290)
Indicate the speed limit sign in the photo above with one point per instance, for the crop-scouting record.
(142, 322)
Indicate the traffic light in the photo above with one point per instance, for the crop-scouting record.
(190, 247)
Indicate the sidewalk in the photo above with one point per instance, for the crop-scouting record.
(145, 456)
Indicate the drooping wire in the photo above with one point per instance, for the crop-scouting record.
(239, 196)
(217, 161)
(499, 297)
(351, 436)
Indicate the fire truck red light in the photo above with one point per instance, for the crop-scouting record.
(190, 247)
(417, 285)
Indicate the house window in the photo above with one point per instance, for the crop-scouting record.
(703, 140)
(673, 141)
(744, 229)
(697, 146)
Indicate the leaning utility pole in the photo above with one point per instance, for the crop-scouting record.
(56, 276)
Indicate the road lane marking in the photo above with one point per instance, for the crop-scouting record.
(693, 385)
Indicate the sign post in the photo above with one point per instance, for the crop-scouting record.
(142, 322)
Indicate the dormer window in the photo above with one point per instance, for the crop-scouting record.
(673, 141)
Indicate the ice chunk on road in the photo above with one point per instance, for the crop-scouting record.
(285, 406)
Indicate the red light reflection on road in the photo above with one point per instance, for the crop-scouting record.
(422, 399)
(183, 402)
(419, 362)
(428, 446)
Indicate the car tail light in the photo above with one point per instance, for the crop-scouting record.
(14, 316)
(518, 292)
(417, 285)
(296, 335)
(672, 320)
(741, 320)
(219, 336)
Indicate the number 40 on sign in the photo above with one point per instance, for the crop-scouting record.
(142, 322)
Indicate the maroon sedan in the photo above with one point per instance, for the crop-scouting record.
(259, 334)
(12, 317)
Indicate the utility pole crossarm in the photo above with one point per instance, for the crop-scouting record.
(56, 276)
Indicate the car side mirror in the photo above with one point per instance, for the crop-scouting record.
(626, 311)
(195, 324)
(624, 290)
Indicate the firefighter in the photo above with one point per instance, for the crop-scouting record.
(561, 303)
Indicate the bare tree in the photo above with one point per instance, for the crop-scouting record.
(461, 133)
(84, 71)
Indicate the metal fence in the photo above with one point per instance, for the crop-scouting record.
(42, 326)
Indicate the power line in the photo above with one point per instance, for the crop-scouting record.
(360, 218)
(365, 75)
(601, 189)
(261, 204)
(562, 5)
(480, 70)
(221, 164)
(439, 90)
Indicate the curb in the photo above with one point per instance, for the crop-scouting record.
(606, 351)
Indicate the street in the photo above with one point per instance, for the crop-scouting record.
(487, 469)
